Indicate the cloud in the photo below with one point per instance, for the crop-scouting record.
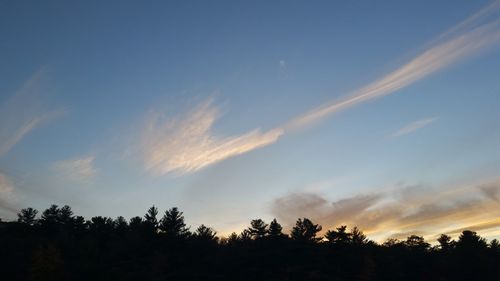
(16, 136)
(468, 39)
(445, 211)
(404, 235)
(414, 126)
(491, 191)
(314, 206)
(76, 170)
(23, 112)
(491, 224)
(6, 194)
(6, 186)
(187, 143)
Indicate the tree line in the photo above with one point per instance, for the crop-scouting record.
(59, 245)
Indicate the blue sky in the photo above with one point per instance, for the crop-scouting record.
(348, 112)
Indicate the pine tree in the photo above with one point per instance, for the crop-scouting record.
(121, 224)
(172, 224)
(340, 236)
(245, 236)
(305, 230)
(444, 242)
(275, 229)
(258, 229)
(150, 219)
(205, 233)
(358, 237)
(27, 216)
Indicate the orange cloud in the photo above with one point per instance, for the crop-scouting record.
(392, 213)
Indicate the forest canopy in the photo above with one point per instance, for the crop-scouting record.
(56, 244)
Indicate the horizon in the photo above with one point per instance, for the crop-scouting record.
(380, 115)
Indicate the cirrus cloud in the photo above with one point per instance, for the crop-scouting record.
(413, 126)
(76, 170)
(6, 195)
(23, 112)
(187, 143)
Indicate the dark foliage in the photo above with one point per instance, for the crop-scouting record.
(62, 246)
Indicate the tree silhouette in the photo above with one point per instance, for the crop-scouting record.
(150, 220)
(275, 230)
(245, 236)
(232, 239)
(391, 242)
(469, 240)
(172, 224)
(416, 242)
(205, 233)
(494, 245)
(340, 236)
(65, 215)
(445, 242)
(50, 216)
(101, 225)
(358, 237)
(305, 231)
(258, 229)
(136, 225)
(62, 246)
(121, 224)
(27, 216)
(79, 224)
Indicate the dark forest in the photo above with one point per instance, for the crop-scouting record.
(58, 245)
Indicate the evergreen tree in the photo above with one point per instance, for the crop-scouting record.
(469, 240)
(205, 233)
(135, 223)
(79, 224)
(245, 236)
(340, 236)
(65, 215)
(416, 242)
(172, 224)
(391, 242)
(305, 231)
(258, 229)
(232, 239)
(50, 216)
(275, 229)
(358, 237)
(121, 224)
(444, 242)
(101, 224)
(494, 245)
(150, 219)
(27, 216)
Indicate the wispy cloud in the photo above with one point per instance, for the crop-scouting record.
(23, 112)
(413, 127)
(6, 186)
(395, 213)
(187, 143)
(463, 40)
(6, 194)
(76, 170)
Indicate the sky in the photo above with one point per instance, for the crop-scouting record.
(379, 114)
